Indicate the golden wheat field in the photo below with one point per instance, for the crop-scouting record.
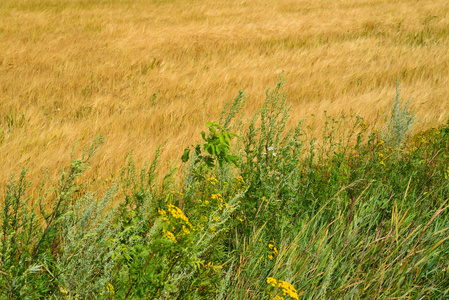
(145, 73)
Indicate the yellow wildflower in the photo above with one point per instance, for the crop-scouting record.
(272, 281)
(169, 235)
(239, 179)
(178, 214)
(273, 249)
(185, 230)
(163, 213)
(212, 180)
(110, 288)
(217, 197)
(287, 288)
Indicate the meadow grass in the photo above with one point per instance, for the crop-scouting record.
(260, 211)
(348, 204)
(146, 73)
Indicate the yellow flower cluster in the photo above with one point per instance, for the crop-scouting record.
(178, 214)
(163, 213)
(274, 251)
(381, 155)
(287, 288)
(185, 230)
(278, 298)
(212, 180)
(169, 235)
(240, 180)
(109, 289)
(217, 197)
(272, 281)
(221, 206)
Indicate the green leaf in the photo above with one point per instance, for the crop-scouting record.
(185, 155)
(209, 161)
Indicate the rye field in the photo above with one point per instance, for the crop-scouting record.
(224, 149)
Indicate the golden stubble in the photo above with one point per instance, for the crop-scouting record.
(150, 73)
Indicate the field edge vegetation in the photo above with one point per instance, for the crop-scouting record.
(261, 211)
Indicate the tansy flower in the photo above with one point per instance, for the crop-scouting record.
(110, 288)
(239, 179)
(169, 235)
(287, 288)
(212, 180)
(185, 230)
(178, 214)
(273, 282)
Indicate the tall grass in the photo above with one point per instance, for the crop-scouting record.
(348, 217)
(142, 73)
